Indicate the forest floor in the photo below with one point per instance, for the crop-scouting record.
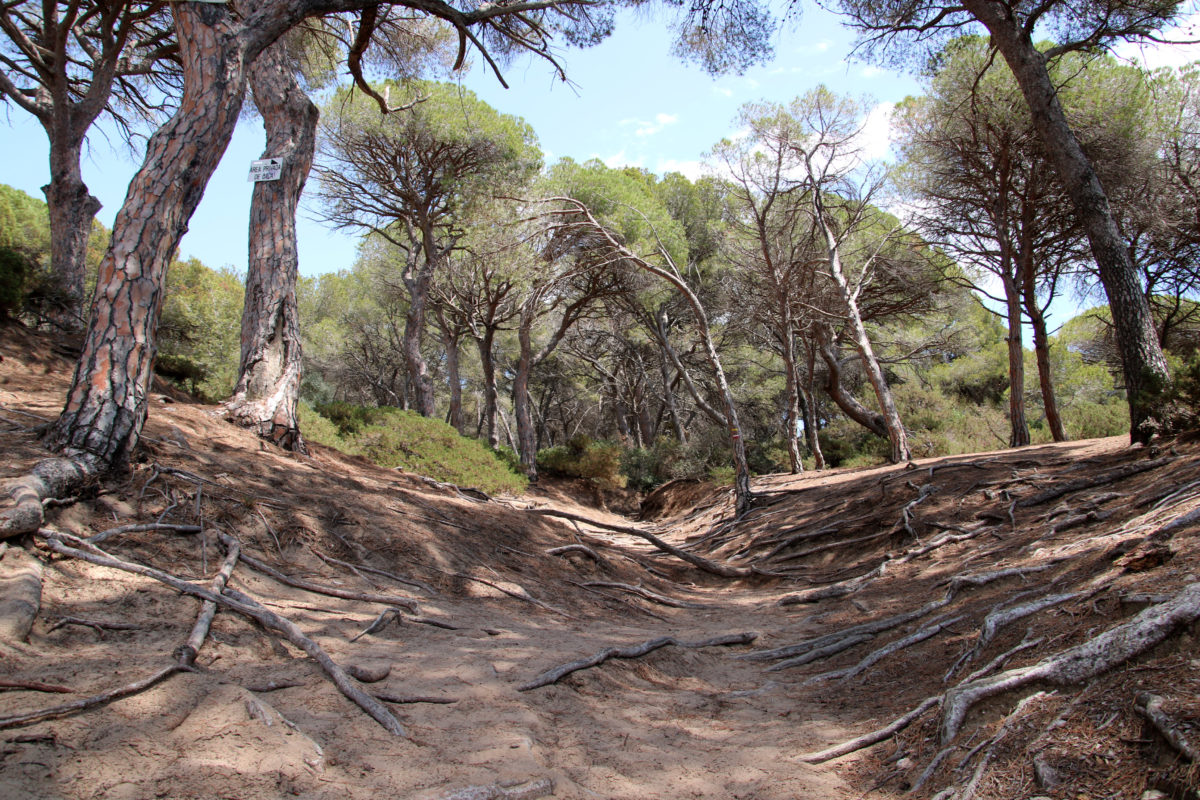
(975, 568)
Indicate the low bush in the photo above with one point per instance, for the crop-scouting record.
(598, 462)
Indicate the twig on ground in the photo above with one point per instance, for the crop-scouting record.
(364, 597)
(34, 686)
(148, 526)
(98, 625)
(634, 651)
(388, 697)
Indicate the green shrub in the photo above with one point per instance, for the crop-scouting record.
(598, 462)
(404, 439)
(14, 267)
(317, 428)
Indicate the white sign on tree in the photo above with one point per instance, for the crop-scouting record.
(265, 169)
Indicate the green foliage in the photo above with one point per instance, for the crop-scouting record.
(405, 440)
(318, 428)
(14, 267)
(199, 332)
(598, 462)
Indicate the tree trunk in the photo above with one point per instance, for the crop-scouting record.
(268, 386)
(792, 392)
(1041, 348)
(417, 278)
(809, 408)
(487, 363)
(1144, 367)
(450, 338)
(833, 387)
(664, 367)
(72, 209)
(106, 404)
(891, 418)
(1019, 428)
(522, 403)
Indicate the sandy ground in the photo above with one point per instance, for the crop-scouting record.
(258, 718)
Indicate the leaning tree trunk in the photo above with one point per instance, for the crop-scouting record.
(847, 402)
(106, 404)
(418, 275)
(1019, 428)
(1145, 368)
(71, 209)
(450, 337)
(891, 417)
(268, 386)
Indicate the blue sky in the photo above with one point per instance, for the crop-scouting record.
(629, 102)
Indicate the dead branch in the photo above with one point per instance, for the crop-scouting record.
(186, 655)
(375, 571)
(243, 605)
(646, 593)
(34, 686)
(85, 703)
(874, 737)
(527, 790)
(95, 624)
(330, 591)
(634, 651)
(401, 699)
(1111, 476)
(724, 570)
(148, 526)
(1150, 706)
(1076, 664)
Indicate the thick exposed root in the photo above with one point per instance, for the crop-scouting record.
(50, 478)
(1077, 664)
(20, 594)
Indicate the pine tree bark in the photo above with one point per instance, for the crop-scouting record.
(522, 403)
(1143, 364)
(1018, 426)
(268, 386)
(106, 404)
(491, 394)
(72, 209)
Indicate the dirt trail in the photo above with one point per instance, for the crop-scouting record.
(258, 719)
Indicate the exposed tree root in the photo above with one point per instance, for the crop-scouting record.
(95, 624)
(654, 597)
(1077, 664)
(971, 787)
(1150, 707)
(634, 651)
(375, 571)
(870, 628)
(1111, 476)
(363, 597)
(243, 605)
(927, 632)
(401, 699)
(20, 594)
(874, 737)
(724, 570)
(49, 478)
(35, 686)
(575, 548)
(999, 617)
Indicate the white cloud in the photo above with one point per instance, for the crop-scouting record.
(870, 72)
(690, 169)
(620, 159)
(644, 128)
(721, 90)
(875, 139)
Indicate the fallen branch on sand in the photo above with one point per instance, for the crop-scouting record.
(407, 603)
(237, 602)
(634, 651)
